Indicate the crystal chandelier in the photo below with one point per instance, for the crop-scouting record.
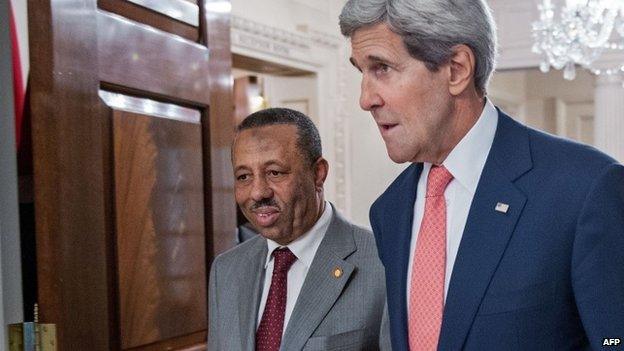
(580, 35)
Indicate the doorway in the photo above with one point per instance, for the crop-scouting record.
(261, 84)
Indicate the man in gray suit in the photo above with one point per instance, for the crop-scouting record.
(310, 280)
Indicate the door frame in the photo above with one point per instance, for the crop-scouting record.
(73, 167)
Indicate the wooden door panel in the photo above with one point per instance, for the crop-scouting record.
(191, 342)
(149, 59)
(159, 216)
(178, 17)
(70, 186)
(133, 198)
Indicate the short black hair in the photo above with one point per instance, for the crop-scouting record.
(308, 139)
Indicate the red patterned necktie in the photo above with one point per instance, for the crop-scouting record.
(426, 300)
(269, 333)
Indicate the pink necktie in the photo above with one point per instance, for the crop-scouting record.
(426, 300)
(269, 333)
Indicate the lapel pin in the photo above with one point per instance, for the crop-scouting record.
(501, 207)
(337, 272)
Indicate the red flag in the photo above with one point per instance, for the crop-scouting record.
(18, 81)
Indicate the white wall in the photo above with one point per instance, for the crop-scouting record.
(371, 168)
(547, 101)
(291, 15)
(513, 19)
(552, 84)
(298, 93)
(21, 22)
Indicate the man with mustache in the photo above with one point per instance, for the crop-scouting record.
(310, 279)
(497, 236)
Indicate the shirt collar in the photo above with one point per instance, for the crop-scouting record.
(467, 159)
(305, 246)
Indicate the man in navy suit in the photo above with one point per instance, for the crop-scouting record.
(497, 236)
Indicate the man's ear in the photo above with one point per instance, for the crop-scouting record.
(321, 169)
(462, 69)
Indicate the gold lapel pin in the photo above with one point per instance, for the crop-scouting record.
(501, 207)
(337, 272)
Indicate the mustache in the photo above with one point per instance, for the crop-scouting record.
(268, 202)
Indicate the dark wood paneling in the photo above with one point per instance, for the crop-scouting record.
(70, 171)
(154, 19)
(191, 342)
(160, 228)
(81, 233)
(219, 129)
(151, 60)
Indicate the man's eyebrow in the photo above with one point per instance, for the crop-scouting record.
(372, 58)
(268, 163)
(376, 59)
(239, 168)
(277, 163)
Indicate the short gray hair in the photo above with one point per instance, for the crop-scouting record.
(431, 28)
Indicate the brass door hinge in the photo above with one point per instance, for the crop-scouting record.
(32, 336)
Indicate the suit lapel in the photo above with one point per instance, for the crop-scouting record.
(321, 288)
(397, 237)
(487, 230)
(252, 274)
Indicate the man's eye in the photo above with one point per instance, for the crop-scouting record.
(274, 173)
(382, 68)
(242, 177)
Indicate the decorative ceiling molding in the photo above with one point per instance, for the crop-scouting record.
(263, 30)
(283, 43)
(324, 39)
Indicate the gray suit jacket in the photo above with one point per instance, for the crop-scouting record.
(331, 313)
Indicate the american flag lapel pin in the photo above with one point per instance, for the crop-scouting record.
(502, 207)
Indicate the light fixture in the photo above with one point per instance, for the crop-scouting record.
(580, 34)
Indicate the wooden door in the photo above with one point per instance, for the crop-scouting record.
(132, 124)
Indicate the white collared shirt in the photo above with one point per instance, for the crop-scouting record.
(465, 162)
(304, 248)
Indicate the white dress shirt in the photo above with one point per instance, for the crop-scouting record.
(465, 162)
(304, 248)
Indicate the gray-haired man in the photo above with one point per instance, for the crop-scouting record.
(497, 237)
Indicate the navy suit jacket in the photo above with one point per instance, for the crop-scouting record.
(546, 275)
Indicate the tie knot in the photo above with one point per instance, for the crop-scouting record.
(438, 180)
(284, 258)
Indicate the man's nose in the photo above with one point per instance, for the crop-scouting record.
(369, 98)
(261, 189)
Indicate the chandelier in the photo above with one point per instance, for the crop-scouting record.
(579, 35)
